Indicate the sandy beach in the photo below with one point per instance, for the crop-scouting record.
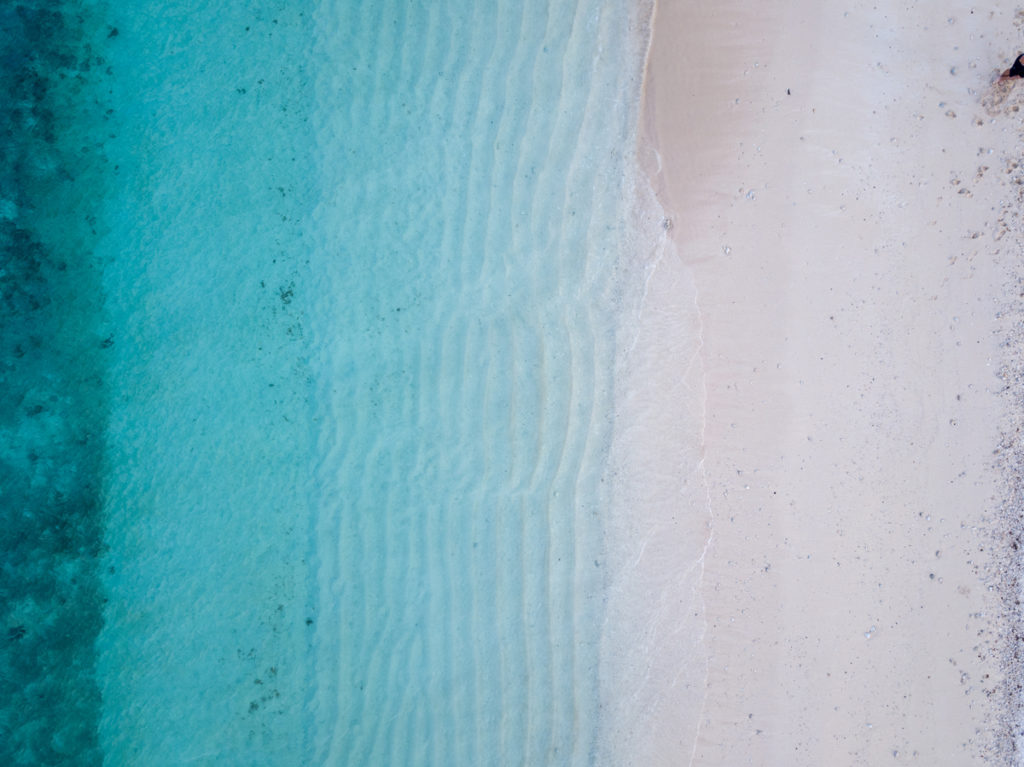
(840, 182)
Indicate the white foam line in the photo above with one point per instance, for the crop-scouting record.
(650, 270)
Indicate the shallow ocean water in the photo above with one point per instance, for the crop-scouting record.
(340, 324)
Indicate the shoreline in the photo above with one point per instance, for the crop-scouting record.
(839, 225)
(653, 618)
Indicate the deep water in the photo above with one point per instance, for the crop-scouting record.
(53, 408)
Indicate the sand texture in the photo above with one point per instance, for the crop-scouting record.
(841, 179)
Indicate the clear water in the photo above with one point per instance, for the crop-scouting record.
(327, 373)
(473, 214)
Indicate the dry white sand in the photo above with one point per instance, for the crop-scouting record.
(836, 174)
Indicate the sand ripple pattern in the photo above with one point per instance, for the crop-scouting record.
(474, 156)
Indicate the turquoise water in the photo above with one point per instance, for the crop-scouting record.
(325, 366)
(54, 404)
